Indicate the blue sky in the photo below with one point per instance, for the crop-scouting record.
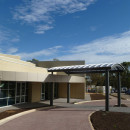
(97, 31)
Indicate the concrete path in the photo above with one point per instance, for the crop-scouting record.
(53, 119)
(87, 97)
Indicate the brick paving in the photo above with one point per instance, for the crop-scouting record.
(53, 119)
(123, 95)
(69, 117)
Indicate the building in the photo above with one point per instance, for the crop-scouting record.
(22, 81)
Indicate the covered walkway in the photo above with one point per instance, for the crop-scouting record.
(91, 68)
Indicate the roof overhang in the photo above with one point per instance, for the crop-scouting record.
(89, 68)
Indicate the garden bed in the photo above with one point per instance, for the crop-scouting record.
(97, 96)
(110, 120)
(10, 113)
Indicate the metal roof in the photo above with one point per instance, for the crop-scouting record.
(88, 68)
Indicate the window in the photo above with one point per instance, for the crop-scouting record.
(12, 93)
(43, 92)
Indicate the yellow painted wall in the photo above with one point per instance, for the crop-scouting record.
(77, 90)
(34, 92)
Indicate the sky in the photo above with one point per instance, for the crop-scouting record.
(97, 31)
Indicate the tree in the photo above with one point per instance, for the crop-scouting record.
(35, 61)
(125, 81)
(55, 59)
(99, 79)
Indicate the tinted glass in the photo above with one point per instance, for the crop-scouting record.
(11, 93)
(12, 85)
(3, 93)
(17, 99)
(4, 85)
(11, 101)
(22, 99)
(3, 102)
(18, 89)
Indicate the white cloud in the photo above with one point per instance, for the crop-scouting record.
(7, 40)
(3, 36)
(111, 49)
(15, 39)
(12, 50)
(45, 52)
(42, 28)
(93, 28)
(37, 11)
(108, 49)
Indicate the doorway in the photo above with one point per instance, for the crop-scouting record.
(45, 92)
(20, 92)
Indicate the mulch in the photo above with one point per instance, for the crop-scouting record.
(122, 105)
(10, 113)
(97, 96)
(110, 120)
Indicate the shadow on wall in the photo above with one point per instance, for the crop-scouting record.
(57, 78)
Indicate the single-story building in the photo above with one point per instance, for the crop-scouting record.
(22, 81)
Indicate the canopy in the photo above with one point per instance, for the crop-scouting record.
(88, 68)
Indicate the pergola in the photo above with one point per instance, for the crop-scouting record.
(92, 68)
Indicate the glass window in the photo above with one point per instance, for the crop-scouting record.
(43, 92)
(3, 93)
(43, 96)
(3, 102)
(12, 85)
(22, 98)
(26, 92)
(26, 98)
(17, 99)
(43, 88)
(11, 93)
(11, 101)
(4, 85)
(23, 88)
(18, 89)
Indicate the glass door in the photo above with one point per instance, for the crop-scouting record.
(18, 100)
(20, 92)
(23, 92)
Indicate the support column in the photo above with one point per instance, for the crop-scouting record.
(51, 93)
(119, 89)
(68, 92)
(107, 91)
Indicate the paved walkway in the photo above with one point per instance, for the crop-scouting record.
(53, 119)
(123, 95)
(66, 116)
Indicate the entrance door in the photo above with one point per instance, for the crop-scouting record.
(46, 87)
(20, 92)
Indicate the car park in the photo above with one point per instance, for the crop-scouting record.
(123, 89)
(127, 92)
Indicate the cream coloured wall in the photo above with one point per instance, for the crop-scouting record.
(35, 91)
(77, 90)
(12, 64)
(10, 56)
